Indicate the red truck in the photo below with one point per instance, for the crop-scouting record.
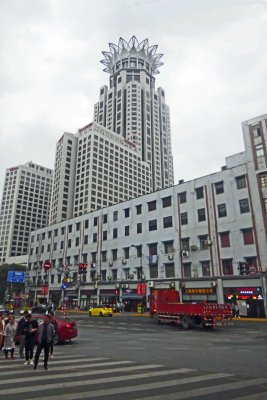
(165, 306)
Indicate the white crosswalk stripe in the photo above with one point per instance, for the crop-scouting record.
(80, 377)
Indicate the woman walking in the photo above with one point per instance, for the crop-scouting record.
(9, 337)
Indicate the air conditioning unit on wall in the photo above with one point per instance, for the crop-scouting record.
(110, 263)
(194, 248)
(150, 284)
(170, 257)
(185, 253)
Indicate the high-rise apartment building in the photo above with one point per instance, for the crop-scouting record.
(126, 151)
(134, 109)
(24, 207)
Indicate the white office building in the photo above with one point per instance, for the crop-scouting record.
(24, 207)
(205, 237)
(126, 151)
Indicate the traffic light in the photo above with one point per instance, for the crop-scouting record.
(83, 268)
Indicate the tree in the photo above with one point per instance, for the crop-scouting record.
(16, 287)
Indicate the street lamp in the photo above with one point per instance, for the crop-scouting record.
(140, 270)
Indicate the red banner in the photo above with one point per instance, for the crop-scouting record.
(141, 289)
(44, 290)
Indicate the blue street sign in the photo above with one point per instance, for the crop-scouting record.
(64, 285)
(16, 276)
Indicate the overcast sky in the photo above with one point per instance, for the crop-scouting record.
(214, 72)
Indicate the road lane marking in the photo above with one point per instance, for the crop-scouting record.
(189, 394)
(137, 388)
(85, 373)
(96, 381)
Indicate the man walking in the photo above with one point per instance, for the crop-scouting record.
(21, 333)
(30, 330)
(45, 336)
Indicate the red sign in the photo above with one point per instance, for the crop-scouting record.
(47, 264)
(141, 289)
(44, 290)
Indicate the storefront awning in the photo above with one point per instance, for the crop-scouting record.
(131, 296)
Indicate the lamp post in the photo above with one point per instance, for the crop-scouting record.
(140, 270)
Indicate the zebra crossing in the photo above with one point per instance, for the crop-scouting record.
(73, 377)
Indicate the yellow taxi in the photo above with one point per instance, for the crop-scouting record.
(100, 310)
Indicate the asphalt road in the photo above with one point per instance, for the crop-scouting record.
(127, 357)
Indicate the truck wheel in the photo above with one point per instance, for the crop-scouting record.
(192, 322)
(186, 322)
(155, 319)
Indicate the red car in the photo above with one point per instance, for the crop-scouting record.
(67, 328)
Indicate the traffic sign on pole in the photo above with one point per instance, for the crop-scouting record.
(16, 276)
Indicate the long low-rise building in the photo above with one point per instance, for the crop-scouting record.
(205, 237)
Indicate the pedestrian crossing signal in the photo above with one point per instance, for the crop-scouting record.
(83, 268)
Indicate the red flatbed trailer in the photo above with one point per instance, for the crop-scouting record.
(165, 306)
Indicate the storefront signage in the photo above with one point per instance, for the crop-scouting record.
(243, 293)
(199, 290)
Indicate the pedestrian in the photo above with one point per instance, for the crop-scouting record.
(54, 322)
(2, 327)
(45, 336)
(236, 311)
(30, 330)
(21, 333)
(9, 337)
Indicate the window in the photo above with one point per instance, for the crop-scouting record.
(205, 265)
(182, 197)
(95, 221)
(153, 271)
(126, 230)
(203, 242)
(77, 226)
(139, 228)
(105, 235)
(126, 251)
(167, 202)
(248, 236)
(244, 206)
(139, 209)
(168, 247)
(241, 182)
(153, 249)
(187, 270)
(185, 244)
(259, 150)
(127, 212)
(77, 241)
(219, 187)
(184, 218)
(115, 216)
(256, 131)
(94, 237)
(222, 210)
(114, 254)
(227, 266)
(169, 270)
(201, 214)
(263, 180)
(152, 205)
(152, 225)
(70, 228)
(199, 193)
(167, 222)
(225, 239)
(115, 233)
(105, 218)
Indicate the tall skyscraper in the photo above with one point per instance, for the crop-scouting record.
(24, 207)
(126, 151)
(134, 109)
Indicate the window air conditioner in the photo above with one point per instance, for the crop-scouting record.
(151, 284)
(185, 253)
(172, 285)
(170, 257)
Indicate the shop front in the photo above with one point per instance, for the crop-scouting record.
(108, 297)
(55, 296)
(70, 299)
(199, 295)
(132, 300)
(249, 300)
(88, 298)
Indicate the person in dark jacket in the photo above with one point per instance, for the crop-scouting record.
(46, 333)
(20, 332)
(30, 331)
